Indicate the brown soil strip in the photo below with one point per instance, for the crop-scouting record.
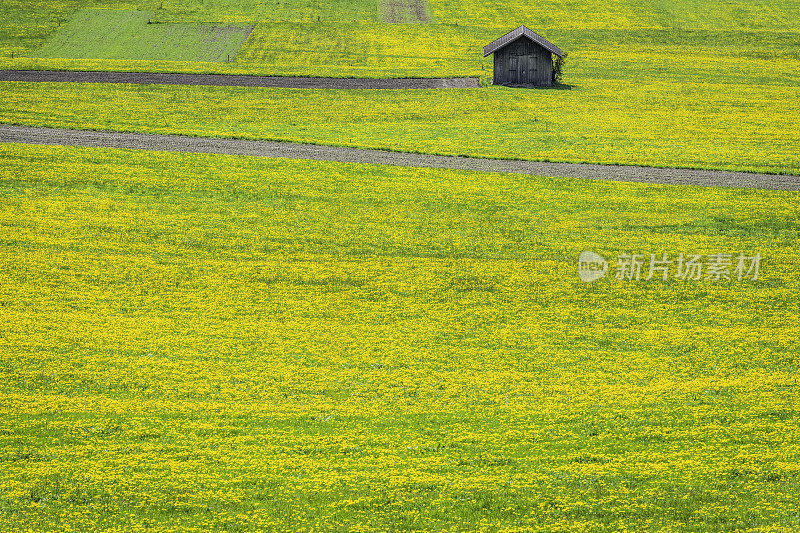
(179, 143)
(158, 78)
(400, 11)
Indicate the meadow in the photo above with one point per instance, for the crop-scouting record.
(198, 342)
(701, 125)
(216, 343)
(340, 38)
(655, 85)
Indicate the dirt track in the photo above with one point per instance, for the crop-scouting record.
(159, 78)
(178, 143)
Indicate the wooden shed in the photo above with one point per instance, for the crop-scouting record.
(522, 57)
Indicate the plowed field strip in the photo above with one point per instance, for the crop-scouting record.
(286, 82)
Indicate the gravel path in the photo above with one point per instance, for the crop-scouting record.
(179, 143)
(227, 80)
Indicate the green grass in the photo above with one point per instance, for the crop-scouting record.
(297, 11)
(220, 343)
(127, 34)
(365, 49)
(27, 24)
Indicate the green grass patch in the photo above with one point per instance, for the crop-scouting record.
(27, 24)
(297, 11)
(126, 34)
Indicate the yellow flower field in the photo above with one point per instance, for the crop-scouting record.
(198, 342)
(215, 343)
(654, 122)
(651, 84)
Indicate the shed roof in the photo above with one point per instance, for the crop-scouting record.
(513, 35)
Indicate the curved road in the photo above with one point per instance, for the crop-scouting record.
(180, 143)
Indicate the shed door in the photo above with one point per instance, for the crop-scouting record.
(524, 69)
(513, 66)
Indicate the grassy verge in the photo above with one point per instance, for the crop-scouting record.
(217, 342)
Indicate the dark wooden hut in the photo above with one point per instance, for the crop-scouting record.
(522, 57)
